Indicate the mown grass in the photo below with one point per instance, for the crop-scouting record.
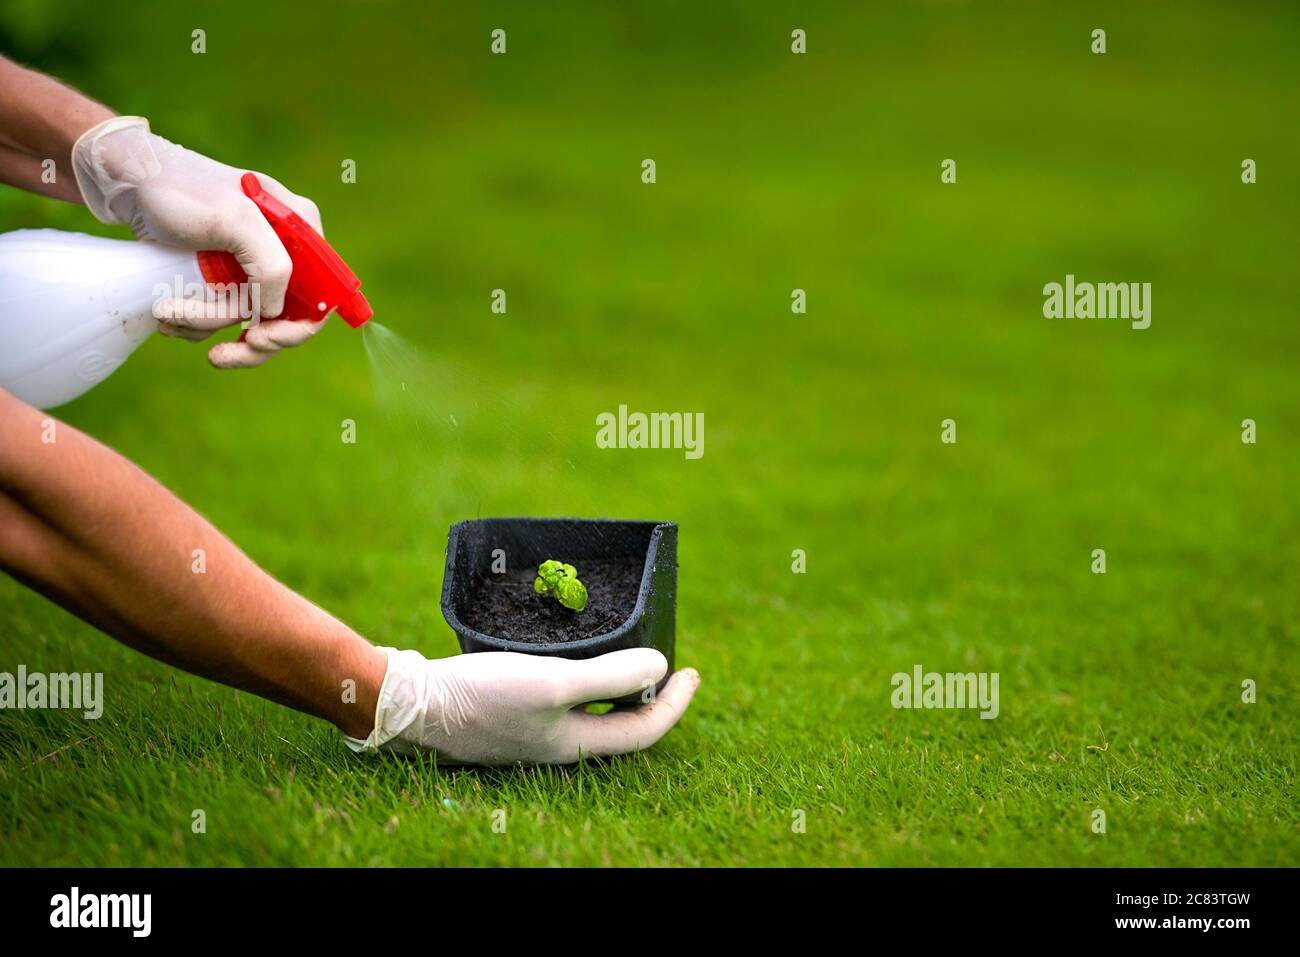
(1119, 692)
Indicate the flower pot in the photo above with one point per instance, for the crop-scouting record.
(629, 567)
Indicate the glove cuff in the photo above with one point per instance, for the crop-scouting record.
(400, 706)
(104, 174)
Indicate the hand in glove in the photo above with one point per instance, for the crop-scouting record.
(500, 708)
(176, 197)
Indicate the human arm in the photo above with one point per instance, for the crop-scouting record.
(94, 533)
(41, 119)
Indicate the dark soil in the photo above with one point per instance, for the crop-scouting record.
(505, 605)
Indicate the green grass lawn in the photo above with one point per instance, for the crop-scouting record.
(1119, 692)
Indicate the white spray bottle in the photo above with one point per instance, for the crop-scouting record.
(74, 307)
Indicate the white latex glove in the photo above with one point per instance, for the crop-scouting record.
(499, 707)
(176, 197)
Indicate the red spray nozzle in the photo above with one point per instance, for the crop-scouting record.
(321, 280)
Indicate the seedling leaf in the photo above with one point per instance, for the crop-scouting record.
(562, 581)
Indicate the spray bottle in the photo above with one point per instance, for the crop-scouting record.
(74, 307)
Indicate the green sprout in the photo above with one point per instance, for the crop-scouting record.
(562, 579)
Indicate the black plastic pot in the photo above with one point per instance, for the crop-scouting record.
(529, 541)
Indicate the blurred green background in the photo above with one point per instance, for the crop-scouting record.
(775, 171)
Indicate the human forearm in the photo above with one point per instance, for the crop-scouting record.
(87, 528)
(41, 119)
